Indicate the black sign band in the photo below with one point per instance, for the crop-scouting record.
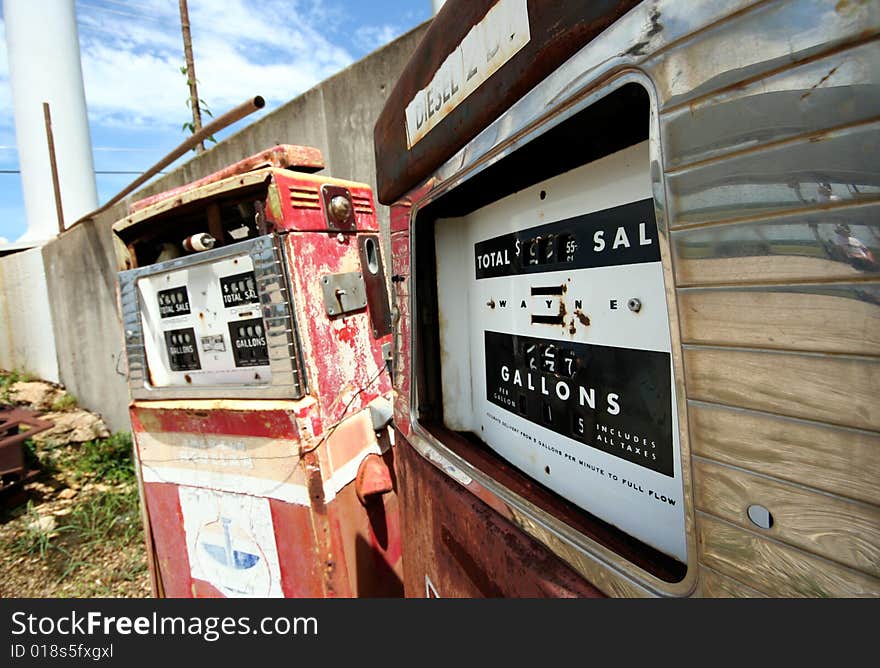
(172, 302)
(625, 234)
(183, 351)
(239, 289)
(617, 400)
(249, 342)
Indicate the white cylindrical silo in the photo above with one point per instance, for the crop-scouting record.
(44, 66)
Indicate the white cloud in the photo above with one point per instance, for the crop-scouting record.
(372, 37)
(132, 67)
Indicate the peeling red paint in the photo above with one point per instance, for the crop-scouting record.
(344, 369)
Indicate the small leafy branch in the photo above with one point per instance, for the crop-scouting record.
(203, 108)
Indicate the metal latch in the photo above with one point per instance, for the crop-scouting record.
(344, 292)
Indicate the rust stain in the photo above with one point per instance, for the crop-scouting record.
(583, 317)
(819, 83)
(475, 573)
(640, 48)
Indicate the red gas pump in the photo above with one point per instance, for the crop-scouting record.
(257, 330)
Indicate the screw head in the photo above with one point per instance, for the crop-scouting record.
(634, 305)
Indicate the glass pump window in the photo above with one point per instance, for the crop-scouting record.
(551, 348)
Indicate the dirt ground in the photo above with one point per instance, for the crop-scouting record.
(81, 552)
(73, 529)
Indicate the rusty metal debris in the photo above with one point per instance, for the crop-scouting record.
(16, 426)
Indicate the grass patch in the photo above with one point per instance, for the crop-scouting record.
(65, 403)
(34, 540)
(107, 459)
(108, 516)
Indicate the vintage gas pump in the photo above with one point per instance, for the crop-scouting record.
(609, 221)
(256, 330)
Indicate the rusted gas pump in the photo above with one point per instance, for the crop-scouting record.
(605, 238)
(257, 329)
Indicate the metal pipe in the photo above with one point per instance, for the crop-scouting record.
(53, 164)
(216, 125)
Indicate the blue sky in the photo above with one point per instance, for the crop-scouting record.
(132, 51)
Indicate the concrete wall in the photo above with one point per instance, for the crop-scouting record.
(81, 274)
(337, 116)
(26, 334)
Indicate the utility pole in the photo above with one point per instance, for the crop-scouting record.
(191, 74)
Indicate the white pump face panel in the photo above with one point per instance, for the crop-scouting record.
(555, 343)
(203, 325)
(196, 325)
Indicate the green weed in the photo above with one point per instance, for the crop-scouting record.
(34, 540)
(111, 515)
(65, 403)
(107, 459)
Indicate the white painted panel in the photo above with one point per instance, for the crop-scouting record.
(570, 384)
(27, 342)
(191, 310)
(230, 542)
(487, 46)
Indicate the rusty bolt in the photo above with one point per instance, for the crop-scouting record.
(340, 208)
(634, 305)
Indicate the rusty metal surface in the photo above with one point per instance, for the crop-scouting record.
(276, 475)
(326, 542)
(338, 208)
(231, 116)
(454, 546)
(283, 156)
(299, 205)
(557, 31)
(12, 436)
(341, 357)
(372, 268)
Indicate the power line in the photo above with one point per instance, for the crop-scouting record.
(121, 13)
(97, 171)
(94, 148)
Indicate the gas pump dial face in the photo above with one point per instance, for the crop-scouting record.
(203, 325)
(556, 347)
